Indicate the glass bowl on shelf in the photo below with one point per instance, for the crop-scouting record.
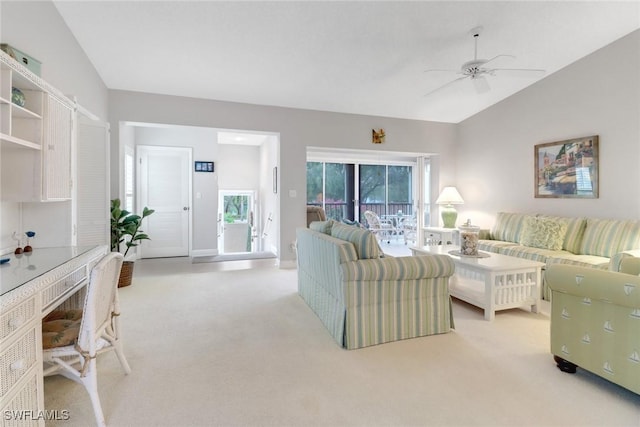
(17, 97)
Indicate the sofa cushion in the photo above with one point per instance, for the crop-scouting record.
(631, 237)
(363, 240)
(61, 328)
(322, 226)
(508, 226)
(574, 234)
(531, 253)
(495, 246)
(603, 237)
(543, 233)
(592, 261)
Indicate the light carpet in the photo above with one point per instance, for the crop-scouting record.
(211, 345)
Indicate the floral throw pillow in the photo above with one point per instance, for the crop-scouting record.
(543, 233)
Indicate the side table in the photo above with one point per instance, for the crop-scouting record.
(441, 236)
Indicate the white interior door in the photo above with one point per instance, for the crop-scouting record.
(164, 180)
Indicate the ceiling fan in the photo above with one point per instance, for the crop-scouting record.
(476, 69)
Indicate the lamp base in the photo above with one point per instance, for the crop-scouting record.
(449, 216)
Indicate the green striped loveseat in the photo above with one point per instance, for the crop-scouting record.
(584, 242)
(364, 299)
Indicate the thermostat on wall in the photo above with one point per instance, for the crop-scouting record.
(204, 167)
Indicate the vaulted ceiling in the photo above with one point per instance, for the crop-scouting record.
(362, 57)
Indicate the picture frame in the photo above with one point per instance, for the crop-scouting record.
(203, 166)
(567, 169)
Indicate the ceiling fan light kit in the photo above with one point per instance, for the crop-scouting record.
(475, 69)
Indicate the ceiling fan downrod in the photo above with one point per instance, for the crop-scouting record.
(475, 50)
(473, 68)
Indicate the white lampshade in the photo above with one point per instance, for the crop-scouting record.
(450, 196)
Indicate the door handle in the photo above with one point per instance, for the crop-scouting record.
(186, 208)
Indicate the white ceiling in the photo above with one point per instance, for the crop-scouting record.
(363, 57)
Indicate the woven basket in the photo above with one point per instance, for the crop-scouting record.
(126, 274)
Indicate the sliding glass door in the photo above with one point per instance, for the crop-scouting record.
(384, 189)
(330, 185)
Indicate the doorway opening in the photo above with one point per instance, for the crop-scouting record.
(236, 225)
(242, 163)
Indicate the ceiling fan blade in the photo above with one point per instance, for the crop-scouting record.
(481, 84)
(516, 71)
(499, 56)
(438, 69)
(446, 85)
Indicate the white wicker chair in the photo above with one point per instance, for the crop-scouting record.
(97, 333)
(409, 227)
(383, 229)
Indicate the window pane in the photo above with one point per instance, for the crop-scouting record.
(314, 183)
(373, 189)
(128, 182)
(236, 208)
(399, 193)
(426, 221)
(335, 191)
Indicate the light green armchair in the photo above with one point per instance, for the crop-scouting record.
(595, 321)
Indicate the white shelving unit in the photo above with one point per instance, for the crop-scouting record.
(36, 139)
(19, 126)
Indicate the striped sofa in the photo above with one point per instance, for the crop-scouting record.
(364, 299)
(585, 242)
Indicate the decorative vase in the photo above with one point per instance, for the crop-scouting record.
(469, 236)
(18, 240)
(30, 235)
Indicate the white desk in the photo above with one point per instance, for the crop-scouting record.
(31, 286)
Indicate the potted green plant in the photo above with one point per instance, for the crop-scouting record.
(125, 228)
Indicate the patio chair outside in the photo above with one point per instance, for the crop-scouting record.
(383, 229)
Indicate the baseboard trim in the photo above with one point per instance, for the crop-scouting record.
(287, 264)
(203, 252)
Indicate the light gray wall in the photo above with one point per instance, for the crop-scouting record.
(598, 95)
(36, 28)
(298, 129)
(238, 167)
(269, 201)
(202, 141)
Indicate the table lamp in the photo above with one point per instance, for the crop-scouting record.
(449, 197)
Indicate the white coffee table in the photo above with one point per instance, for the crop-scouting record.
(496, 282)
